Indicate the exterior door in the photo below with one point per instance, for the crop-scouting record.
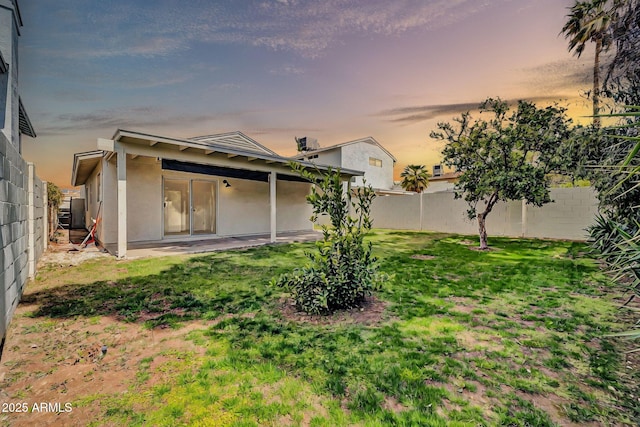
(177, 212)
(189, 207)
(203, 207)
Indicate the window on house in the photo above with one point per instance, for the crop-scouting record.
(375, 162)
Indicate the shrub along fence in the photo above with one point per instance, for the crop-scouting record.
(568, 217)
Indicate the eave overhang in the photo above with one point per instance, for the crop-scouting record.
(83, 166)
(243, 159)
(25, 125)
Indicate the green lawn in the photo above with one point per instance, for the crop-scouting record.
(512, 337)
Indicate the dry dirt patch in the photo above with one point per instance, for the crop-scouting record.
(372, 312)
(66, 254)
(423, 257)
(61, 360)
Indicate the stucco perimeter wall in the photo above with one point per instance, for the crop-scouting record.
(568, 217)
(385, 211)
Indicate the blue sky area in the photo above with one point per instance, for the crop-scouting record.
(336, 70)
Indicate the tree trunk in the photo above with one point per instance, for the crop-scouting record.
(482, 231)
(596, 84)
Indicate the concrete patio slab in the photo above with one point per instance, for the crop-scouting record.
(165, 248)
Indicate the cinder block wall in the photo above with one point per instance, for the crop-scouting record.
(37, 191)
(14, 230)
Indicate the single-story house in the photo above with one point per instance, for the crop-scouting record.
(364, 154)
(151, 188)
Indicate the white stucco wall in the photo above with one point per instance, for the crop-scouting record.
(9, 80)
(108, 227)
(356, 156)
(144, 199)
(242, 209)
(292, 207)
(329, 158)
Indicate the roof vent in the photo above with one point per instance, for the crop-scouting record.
(437, 170)
(307, 144)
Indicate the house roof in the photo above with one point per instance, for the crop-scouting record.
(24, 123)
(246, 158)
(368, 140)
(235, 141)
(83, 165)
(449, 176)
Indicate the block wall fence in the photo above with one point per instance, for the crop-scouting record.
(23, 228)
(573, 210)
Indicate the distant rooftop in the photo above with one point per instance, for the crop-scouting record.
(368, 140)
(449, 176)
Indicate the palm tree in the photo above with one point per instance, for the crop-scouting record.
(415, 178)
(590, 21)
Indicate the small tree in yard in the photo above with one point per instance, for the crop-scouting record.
(343, 272)
(504, 158)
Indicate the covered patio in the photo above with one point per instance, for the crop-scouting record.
(154, 191)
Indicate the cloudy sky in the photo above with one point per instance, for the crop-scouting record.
(336, 70)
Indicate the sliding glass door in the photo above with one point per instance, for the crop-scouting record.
(204, 207)
(189, 207)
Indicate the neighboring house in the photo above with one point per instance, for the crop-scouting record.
(22, 194)
(365, 154)
(151, 188)
(441, 181)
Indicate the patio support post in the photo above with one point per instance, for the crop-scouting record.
(122, 200)
(272, 203)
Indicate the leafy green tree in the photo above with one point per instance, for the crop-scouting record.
(590, 21)
(506, 157)
(343, 272)
(54, 200)
(415, 178)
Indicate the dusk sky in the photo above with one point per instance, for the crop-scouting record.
(336, 70)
